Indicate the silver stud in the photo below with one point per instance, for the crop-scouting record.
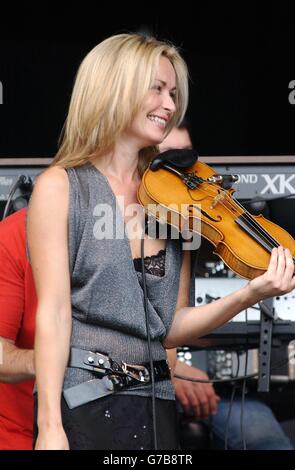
(135, 436)
(101, 362)
(90, 360)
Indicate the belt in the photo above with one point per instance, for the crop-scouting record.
(114, 377)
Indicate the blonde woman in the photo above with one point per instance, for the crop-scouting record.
(129, 93)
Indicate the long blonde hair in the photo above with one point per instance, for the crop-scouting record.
(109, 90)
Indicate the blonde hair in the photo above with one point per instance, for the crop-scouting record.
(109, 90)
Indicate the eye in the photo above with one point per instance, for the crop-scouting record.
(158, 88)
(173, 95)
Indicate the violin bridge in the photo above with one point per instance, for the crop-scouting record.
(219, 198)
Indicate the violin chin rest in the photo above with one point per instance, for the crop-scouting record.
(180, 158)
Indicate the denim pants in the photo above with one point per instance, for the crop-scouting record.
(262, 431)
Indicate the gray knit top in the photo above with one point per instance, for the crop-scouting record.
(106, 290)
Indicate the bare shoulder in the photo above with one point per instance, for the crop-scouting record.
(50, 197)
(51, 187)
(53, 178)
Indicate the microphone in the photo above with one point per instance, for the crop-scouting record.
(25, 184)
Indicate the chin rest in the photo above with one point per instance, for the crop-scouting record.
(179, 158)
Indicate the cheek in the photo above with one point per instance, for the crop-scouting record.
(152, 102)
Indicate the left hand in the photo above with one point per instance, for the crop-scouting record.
(277, 280)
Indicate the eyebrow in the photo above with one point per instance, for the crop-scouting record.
(165, 84)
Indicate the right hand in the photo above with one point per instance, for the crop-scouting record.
(196, 398)
(52, 439)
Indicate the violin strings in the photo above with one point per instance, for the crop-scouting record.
(253, 224)
(246, 217)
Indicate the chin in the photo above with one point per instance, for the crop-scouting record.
(158, 137)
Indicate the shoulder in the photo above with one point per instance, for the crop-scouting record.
(51, 189)
(50, 200)
(53, 178)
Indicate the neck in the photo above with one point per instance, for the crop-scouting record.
(121, 163)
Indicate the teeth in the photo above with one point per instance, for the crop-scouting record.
(157, 119)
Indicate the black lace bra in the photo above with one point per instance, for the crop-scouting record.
(154, 264)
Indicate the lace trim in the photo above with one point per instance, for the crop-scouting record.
(154, 264)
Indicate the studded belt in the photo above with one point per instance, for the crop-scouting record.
(113, 376)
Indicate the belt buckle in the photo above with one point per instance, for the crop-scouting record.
(137, 372)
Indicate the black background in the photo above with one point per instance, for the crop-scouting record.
(240, 57)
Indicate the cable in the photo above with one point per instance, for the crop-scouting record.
(231, 403)
(244, 389)
(149, 344)
(215, 381)
(242, 405)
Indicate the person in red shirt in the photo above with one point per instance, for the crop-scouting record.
(17, 326)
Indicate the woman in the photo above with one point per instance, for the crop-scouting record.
(129, 93)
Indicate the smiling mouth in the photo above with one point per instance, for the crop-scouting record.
(157, 120)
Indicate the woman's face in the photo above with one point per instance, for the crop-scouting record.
(149, 125)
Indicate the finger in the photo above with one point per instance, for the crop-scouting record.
(185, 405)
(281, 263)
(190, 403)
(212, 399)
(293, 283)
(196, 410)
(193, 396)
(289, 269)
(211, 396)
(204, 403)
(272, 267)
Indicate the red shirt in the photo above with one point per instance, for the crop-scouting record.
(17, 322)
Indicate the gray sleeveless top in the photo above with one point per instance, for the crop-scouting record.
(106, 290)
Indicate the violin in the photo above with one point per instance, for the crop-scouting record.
(176, 179)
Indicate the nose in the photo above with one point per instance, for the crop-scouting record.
(168, 103)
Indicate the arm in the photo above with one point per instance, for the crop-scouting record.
(196, 398)
(192, 322)
(182, 301)
(17, 364)
(172, 359)
(48, 245)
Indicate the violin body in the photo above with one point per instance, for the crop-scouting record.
(243, 241)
